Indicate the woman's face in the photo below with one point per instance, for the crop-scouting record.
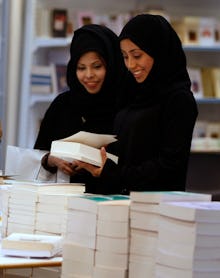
(138, 62)
(91, 71)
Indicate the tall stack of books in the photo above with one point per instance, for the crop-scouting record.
(97, 236)
(189, 240)
(23, 211)
(144, 226)
(51, 210)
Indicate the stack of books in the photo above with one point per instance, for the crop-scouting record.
(23, 211)
(144, 226)
(189, 240)
(98, 233)
(50, 212)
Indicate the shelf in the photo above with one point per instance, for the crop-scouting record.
(202, 48)
(51, 42)
(41, 98)
(208, 100)
(213, 151)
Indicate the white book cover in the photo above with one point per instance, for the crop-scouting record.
(164, 196)
(31, 245)
(208, 212)
(77, 151)
(83, 146)
(114, 210)
(91, 139)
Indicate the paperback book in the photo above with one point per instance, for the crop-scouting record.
(31, 245)
(83, 146)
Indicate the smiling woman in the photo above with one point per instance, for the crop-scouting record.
(157, 113)
(94, 73)
(91, 71)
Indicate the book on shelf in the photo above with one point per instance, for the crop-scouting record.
(213, 130)
(187, 29)
(61, 84)
(196, 82)
(43, 22)
(216, 81)
(59, 22)
(206, 31)
(31, 245)
(85, 17)
(43, 79)
(211, 81)
(83, 146)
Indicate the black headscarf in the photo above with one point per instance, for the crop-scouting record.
(154, 35)
(105, 42)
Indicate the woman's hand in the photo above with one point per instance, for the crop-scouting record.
(94, 170)
(64, 166)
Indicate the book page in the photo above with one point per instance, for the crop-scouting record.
(91, 139)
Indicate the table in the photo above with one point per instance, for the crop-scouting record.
(16, 262)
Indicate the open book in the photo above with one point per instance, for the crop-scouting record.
(31, 245)
(83, 146)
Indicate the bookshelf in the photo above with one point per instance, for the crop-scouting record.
(37, 49)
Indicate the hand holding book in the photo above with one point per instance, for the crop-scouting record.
(94, 170)
(83, 146)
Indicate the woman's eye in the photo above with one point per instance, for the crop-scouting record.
(80, 68)
(98, 66)
(137, 56)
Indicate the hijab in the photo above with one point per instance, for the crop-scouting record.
(105, 42)
(155, 36)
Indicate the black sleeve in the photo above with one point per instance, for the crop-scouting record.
(168, 170)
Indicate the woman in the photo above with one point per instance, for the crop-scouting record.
(93, 73)
(157, 116)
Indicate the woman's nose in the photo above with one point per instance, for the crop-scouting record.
(130, 63)
(89, 73)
